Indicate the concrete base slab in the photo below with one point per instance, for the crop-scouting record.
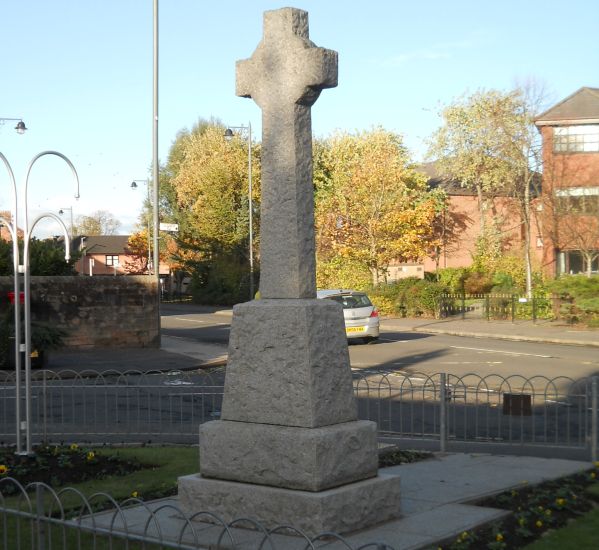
(341, 509)
(307, 459)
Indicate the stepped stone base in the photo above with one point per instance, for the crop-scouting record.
(341, 509)
(308, 459)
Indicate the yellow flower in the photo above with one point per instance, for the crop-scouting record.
(3, 469)
(464, 535)
(499, 537)
(74, 446)
(593, 475)
(514, 493)
(521, 522)
(597, 464)
(134, 494)
(547, 512)
(541, 508)
(90, 455)
(560, 501)
(539, 523)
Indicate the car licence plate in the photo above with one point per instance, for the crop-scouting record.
(355, 329)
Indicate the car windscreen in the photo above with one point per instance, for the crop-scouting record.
(351, 301)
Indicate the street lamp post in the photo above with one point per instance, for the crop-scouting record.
(20, 127)
(70, 209)
(247, 130)
(23, 269)
(134, 187)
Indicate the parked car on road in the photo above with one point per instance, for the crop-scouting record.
(360, 315)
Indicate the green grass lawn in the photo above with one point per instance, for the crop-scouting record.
(167, 464)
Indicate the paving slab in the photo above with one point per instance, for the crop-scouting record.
(436, 503)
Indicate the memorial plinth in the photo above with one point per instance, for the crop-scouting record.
(289, 449)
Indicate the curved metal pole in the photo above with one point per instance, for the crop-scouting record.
(27, 283)
(33, 161)
(27, 292)
(13, 228)
(14, 186)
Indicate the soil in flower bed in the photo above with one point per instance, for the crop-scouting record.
(392, 456)
(535, 510)
(58, 466)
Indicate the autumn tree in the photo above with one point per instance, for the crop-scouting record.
(372, 207)
(100, 222)
(138, 253)
(488, 143)
(204, 188)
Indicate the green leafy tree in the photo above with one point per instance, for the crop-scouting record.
(372, 207)
(204, 188)
(100, 222)
(46, 257)
(489, 144)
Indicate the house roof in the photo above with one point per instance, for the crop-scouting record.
(580, 107)
(453, 187)
(103, 244)
(437, 181)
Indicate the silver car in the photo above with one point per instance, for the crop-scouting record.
(361, 317)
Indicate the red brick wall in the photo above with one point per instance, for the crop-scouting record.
(561, 170)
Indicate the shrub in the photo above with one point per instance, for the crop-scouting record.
(478, 283)
(409, 297)
(422, 298)
(387, 296)
(453, 278)
(580, 298)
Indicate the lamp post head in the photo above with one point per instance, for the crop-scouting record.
(20, 127)
(228, 134)
(133, 185)
(61, 211)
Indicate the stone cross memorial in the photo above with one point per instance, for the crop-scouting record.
(289, 448)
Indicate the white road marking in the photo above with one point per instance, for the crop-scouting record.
(470, 362)
(199, 321)
(506, 352)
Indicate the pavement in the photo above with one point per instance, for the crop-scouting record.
(437, 504)
(437, 494)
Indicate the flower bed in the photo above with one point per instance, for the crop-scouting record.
(535, 511)
(57, 466)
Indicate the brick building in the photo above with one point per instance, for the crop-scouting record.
(565, 218)
(570, 133)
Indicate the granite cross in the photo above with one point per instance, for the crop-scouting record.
(284, 77)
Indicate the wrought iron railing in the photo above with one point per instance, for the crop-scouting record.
(167, 407)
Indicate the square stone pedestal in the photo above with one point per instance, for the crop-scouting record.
(340, 510)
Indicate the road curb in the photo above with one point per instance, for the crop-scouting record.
(514, 337)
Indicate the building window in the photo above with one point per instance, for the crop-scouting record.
(576, 139)
(574, 262)
(112, 260)
(578, 200)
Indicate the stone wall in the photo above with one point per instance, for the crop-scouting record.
(95, 311)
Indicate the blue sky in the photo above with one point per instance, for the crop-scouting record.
(79, 72)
